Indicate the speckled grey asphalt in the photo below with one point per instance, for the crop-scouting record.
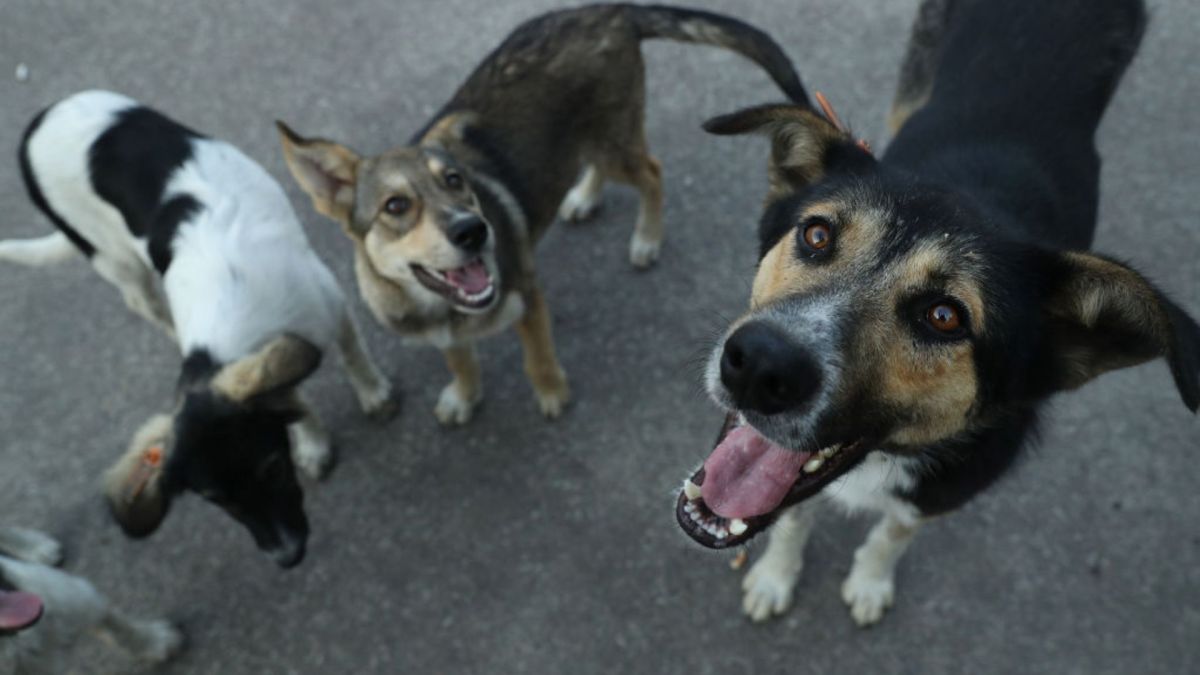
(521, 546)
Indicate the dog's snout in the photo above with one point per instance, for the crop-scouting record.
(766, 372)
(468, 232)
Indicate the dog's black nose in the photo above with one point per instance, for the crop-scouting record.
(766, 372)
(469, 233)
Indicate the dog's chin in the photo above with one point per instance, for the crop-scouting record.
(472, 288)
(745, 461)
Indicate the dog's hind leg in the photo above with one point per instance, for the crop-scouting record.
(373, 390)
(770, 583)
(30, 545)
(643, 172)
(151, 640)
(458, 399)
(541, 363)
(136, 283)
(918, 68)
(582, 202)
(870, 587)
(39, 252)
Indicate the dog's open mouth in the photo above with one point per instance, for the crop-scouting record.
(18, 610)
(748, 480)
(470, 286)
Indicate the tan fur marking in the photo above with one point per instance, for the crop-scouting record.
(282, 362)
(781, 273)
(451, 126)
(931, 260)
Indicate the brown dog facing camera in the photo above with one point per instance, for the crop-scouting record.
(444, 228)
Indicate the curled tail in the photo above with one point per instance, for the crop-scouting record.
(693, 25)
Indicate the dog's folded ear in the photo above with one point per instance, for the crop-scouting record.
(1102, 315)
(805, 146)
(277, 366)
(134, 488)
(325, 170)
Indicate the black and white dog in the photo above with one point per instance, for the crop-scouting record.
(201, 241)
(31, 643)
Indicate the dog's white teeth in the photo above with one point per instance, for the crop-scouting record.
(737, 527)
(830, 451)
(813, 464)
(689, 507)
(691, 490)
(721, 534)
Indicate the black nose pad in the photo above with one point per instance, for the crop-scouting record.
(469, 233)
(766, 372)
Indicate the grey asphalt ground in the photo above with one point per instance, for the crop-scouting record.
(520, 546)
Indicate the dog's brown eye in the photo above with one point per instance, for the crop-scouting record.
(454, 181)
(944, 317)
(397, 205)
(818, 235)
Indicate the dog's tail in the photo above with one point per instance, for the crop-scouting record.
(693, 25)
(39, 252)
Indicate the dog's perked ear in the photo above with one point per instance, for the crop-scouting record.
(805, 146)
(134, 486)
(277, 366)
(1102, 315)
(325, 170)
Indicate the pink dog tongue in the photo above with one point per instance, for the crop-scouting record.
(471, 278)
(748, 475)
(18, 610)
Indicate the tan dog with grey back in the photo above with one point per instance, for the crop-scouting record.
(444, 228)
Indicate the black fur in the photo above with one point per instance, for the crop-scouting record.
(130, 165)
(166, 223)
(35, 191)
(1000, 167)
(237, 456)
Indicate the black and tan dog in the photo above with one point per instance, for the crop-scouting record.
(444, 228)
(911, 313)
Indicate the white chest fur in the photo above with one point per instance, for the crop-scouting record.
(873, 484)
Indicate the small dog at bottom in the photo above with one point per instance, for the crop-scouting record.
(44, 610)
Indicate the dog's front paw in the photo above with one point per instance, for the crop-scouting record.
(380, 404)
(313, 455)
(769, 587)
(553, 399)
(162, 641)
(453, 408)
(34, 546)
(643, 253)
(579, 206)
(867, 596)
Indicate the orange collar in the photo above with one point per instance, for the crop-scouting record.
(836, 121)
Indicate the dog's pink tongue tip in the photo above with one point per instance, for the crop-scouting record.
(472, 277)
(748, 475)
(18, 610)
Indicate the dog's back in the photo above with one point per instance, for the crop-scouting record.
(1017, 91)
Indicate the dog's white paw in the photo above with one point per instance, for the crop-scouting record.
(379, 403)
(452, 409)
(769, 588)
(579, 205)
(35, 547)
(553, 400)
(867, 596)
(643, 253)
(313, 455)
(163, 641)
